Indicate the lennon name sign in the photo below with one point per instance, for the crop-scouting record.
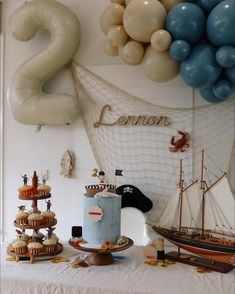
(132, 120)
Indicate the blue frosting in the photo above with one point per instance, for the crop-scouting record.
(106, 229)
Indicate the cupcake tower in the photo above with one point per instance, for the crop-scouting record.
(37, 244)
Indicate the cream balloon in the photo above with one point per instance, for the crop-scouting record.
(159, 66)
(132, 52)
(29, 104)
(142, 18)
(117, 35)
(110, 49)
(127, 2)
(121, 2)
(168, 4)
(112, 15)
(161, 40)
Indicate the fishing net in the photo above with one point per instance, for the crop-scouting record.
(142, 151)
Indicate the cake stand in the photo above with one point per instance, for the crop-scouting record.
(100, 256)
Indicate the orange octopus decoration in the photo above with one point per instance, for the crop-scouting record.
(180, 144)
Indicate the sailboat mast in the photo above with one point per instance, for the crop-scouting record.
(181, 186)
(203, 193)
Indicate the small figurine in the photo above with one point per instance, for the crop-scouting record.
(22, 207)
(35, 208)
(49, 232)
(25, 179)
(101, 177)
(48, 202)
(35, 180)
(94, 172)
(44, 178)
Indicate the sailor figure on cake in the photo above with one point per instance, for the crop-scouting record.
(101, 177)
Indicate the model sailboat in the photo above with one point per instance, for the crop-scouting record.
(200, 218)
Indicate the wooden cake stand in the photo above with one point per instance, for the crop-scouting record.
(100, 256)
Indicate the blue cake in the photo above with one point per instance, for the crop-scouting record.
(102, 218)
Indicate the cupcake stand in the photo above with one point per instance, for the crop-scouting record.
(10, 249)
(100, 256)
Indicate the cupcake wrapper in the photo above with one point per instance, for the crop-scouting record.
(22, 250)
(47, 220)
(34, 223)
(50, 248)
(35, 251)
(22, 221)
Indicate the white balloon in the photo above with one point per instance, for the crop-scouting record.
(132, 52)
(117, 35)
(110, 49)
(142, 18)
(168, 4)
(159, 66)
(121, 2)
(161, 40)
(29, 104)
(112, 15)
(127, 2)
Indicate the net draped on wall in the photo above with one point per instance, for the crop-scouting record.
(142, 152)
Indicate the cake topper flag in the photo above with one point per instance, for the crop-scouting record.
(118, 172)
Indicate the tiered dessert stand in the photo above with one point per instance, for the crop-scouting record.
(27, 256)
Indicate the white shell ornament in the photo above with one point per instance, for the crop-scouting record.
(67, 164)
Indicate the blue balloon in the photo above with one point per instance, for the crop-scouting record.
(179, 49)
(221, 24)
(225, 56)
(207, 5)
(230, 74)
(223, 89)
(186, 21)
(209, 96)
(200, 69)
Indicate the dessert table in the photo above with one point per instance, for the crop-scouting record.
(125, 276)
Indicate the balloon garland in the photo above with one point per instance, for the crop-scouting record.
(195, 38)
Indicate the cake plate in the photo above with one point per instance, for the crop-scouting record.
(100, 256)
(42, 255)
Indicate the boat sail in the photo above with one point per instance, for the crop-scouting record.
(201, 219)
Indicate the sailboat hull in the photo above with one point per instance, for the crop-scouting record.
(202, 247)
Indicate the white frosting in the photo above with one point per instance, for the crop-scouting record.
(106, 194)
(35, 216)
(48, 242)
(19, 244)
(35, 245)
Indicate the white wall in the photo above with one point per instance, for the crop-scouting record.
(26, 151)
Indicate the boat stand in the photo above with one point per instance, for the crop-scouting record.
(197, 261)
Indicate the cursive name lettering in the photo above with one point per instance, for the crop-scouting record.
(132, 120)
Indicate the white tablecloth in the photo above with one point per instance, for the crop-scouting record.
(128, 276)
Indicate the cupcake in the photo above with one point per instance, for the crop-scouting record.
(25, 237)
(35, 219)
(20, 247)
(38, 236)
(21, 218)
(26, 191)
(33, 211)
(48, 217)
(54, 236)
(35, 248)
(49, 245)
(43, 190)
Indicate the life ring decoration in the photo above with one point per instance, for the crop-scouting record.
(28, 103)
